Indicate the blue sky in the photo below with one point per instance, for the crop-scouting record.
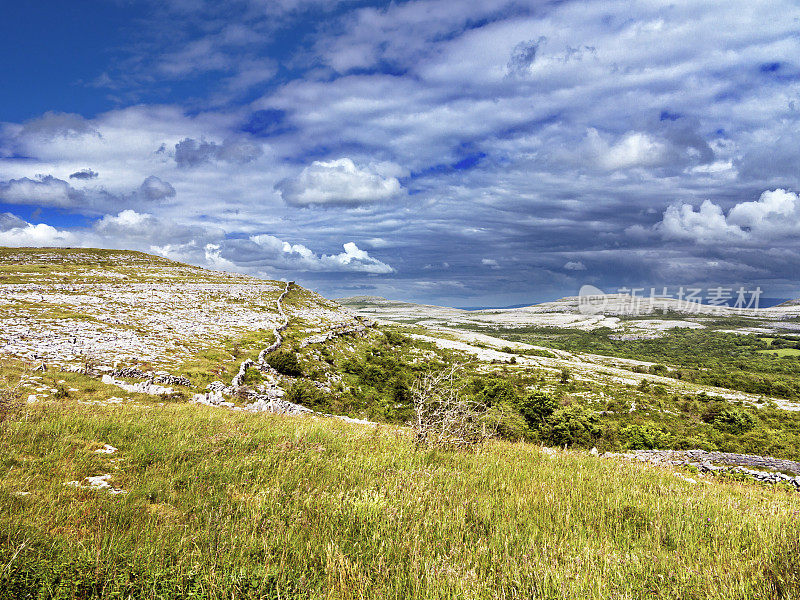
(465, 153)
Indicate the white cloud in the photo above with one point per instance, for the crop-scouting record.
(37, 235)
(490, 262)
(281, 254)
(634, 149)
(127, 223)
(774, 215)
(705, 226)
(339, 182)
(45, 191)
(206, 246)
(355, 259)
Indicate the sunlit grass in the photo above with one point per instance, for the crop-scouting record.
(224, 505)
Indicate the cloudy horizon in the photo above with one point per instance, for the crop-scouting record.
(484, 153)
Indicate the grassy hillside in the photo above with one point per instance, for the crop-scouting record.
(226, 505)
(214, 503)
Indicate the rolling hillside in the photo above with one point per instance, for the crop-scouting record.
(169, 431)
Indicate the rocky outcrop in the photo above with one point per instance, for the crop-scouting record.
(143, 387)
(130, 373)
(153, 386)
(767, 469)
(212, 398)
(275, 405)
(168, 379)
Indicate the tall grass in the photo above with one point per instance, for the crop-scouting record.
(227, 505)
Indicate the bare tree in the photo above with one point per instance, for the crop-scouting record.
(444, 417)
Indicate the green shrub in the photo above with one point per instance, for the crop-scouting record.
(536, 408)
(734, 420)
(285, 363)
(306, 394)
(508, 424)
(396, 339)
(572, 425)
(641, 437)
(494, 391)
(252, 377)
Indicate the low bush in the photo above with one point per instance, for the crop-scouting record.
(285, 363)
(641, 437)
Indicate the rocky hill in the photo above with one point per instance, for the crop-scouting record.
(116, 307)
(620, 312)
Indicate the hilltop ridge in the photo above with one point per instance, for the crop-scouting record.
(113, 306)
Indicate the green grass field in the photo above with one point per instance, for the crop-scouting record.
(230, 505)
(782, 352)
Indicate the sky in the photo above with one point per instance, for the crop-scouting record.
(466, 153)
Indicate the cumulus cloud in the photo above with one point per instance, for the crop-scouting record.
(490, 262)
(704, 226)
(130, 229)
(84, 174)
(154, 188)
(44, 191)
(280, 253)
(339, 183)
(355, 259)
(774, 215)
(126, 230)
(27, 234)
(191, 152)
(127, 223)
